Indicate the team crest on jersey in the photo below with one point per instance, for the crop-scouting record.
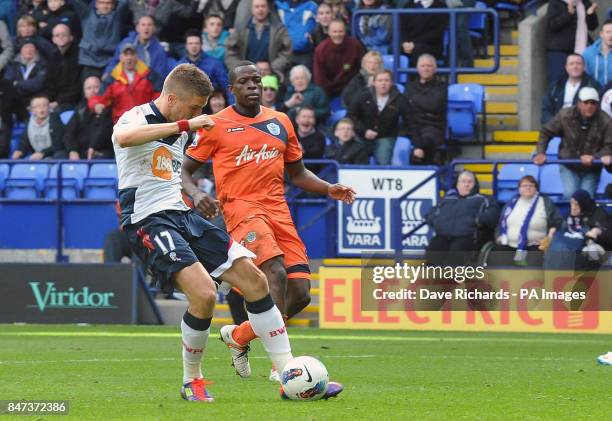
(273, 128)
(250, 237)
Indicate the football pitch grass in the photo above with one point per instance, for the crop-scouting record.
(134, 373)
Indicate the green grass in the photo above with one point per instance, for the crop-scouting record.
(134, 373)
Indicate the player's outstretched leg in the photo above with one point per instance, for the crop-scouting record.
(265, 319)
(199, 288)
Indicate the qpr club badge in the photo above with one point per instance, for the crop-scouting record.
(273, 128)
(250, 237)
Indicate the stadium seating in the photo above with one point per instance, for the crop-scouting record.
(553, 147)
(337, 112)
(389, 63)
(509, 176)
(401, 152)
(73, 177)
(478, 26)
(65, 116)
(462, 119)
(4, 173)
(604, 180)
(26, 181)
(102, 182)
(550, 182)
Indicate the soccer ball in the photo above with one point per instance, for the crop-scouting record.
(304, 379)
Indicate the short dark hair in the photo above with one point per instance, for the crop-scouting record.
(575, 55)
(384, 71)
(192, 33)
(338, 21)
(147, 16)
(212, 15)
(607, 22)
(531, 179)
(232, 73)
(305, 107)
(187, 78)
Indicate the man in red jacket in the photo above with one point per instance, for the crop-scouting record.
(337, 59)
(130, 83)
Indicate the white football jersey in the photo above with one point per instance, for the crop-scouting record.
(149, 174)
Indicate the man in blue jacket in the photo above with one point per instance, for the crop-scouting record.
(148, 48)
(214, 68)
(299, 18)
(598, 58)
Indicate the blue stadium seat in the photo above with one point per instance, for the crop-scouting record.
(508, 177)
(553, 147)
(400, 88)
(26, 181)
(335, 104)
(461, 119)
(401, 152)
(335, 117)
(73, 177)
(389, 63)
(550, 181)
(604, 180)
(473, 92)
(65, 116)
(102, 182)
(4, 173)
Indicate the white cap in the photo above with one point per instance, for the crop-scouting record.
(588, 94)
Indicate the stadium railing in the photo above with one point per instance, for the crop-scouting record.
(452, 69)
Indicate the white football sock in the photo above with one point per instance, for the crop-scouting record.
(194, 344)
(267, 323)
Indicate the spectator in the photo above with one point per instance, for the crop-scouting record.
(6, 46)
(26, 28)
(339, 10)
(423, 34)
(59, 12)
(225, 10)
(261, 40)
(336, 60)
(298, 16)
(244, 13)
(597, 56)
(140, 8)
(27, 72)
(172, 18)
(348, 150)
(465, 53)
(582, 240)
(324, 18)
(374, 31)
(377, 112)
(303, 92)
(42, 137)
(459, 219)
(427, 102)
(37, 9)
(371, 63)
(564, 92)
(88, 134)
(103, 27)
(214, 68)
(568, 24)
(148, 48)
(269, 97)
(214, 37)
(586, 134)
(312, 140)
(9, 104)
(63, 81)
(130, 83)
(217, 102)
(528, 222)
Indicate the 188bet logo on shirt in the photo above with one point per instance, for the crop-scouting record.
(163, 165)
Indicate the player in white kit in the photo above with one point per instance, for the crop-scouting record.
(183, 249)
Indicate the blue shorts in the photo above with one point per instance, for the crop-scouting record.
(169, 241)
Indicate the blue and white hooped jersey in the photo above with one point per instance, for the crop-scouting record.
(149, 174)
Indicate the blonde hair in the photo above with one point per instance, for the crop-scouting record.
(372, 54)
(186, 78)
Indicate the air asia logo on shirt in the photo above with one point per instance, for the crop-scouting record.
(247, 154)
(163, 165)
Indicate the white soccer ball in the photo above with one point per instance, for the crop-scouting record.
(304, 379)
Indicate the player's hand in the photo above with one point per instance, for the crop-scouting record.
(340, 192)
(586, 160)
(539, 159)
(201, 122)
(206, 204)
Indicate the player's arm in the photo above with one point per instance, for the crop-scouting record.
(136, 134)
(303, 178)
(202, 201)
